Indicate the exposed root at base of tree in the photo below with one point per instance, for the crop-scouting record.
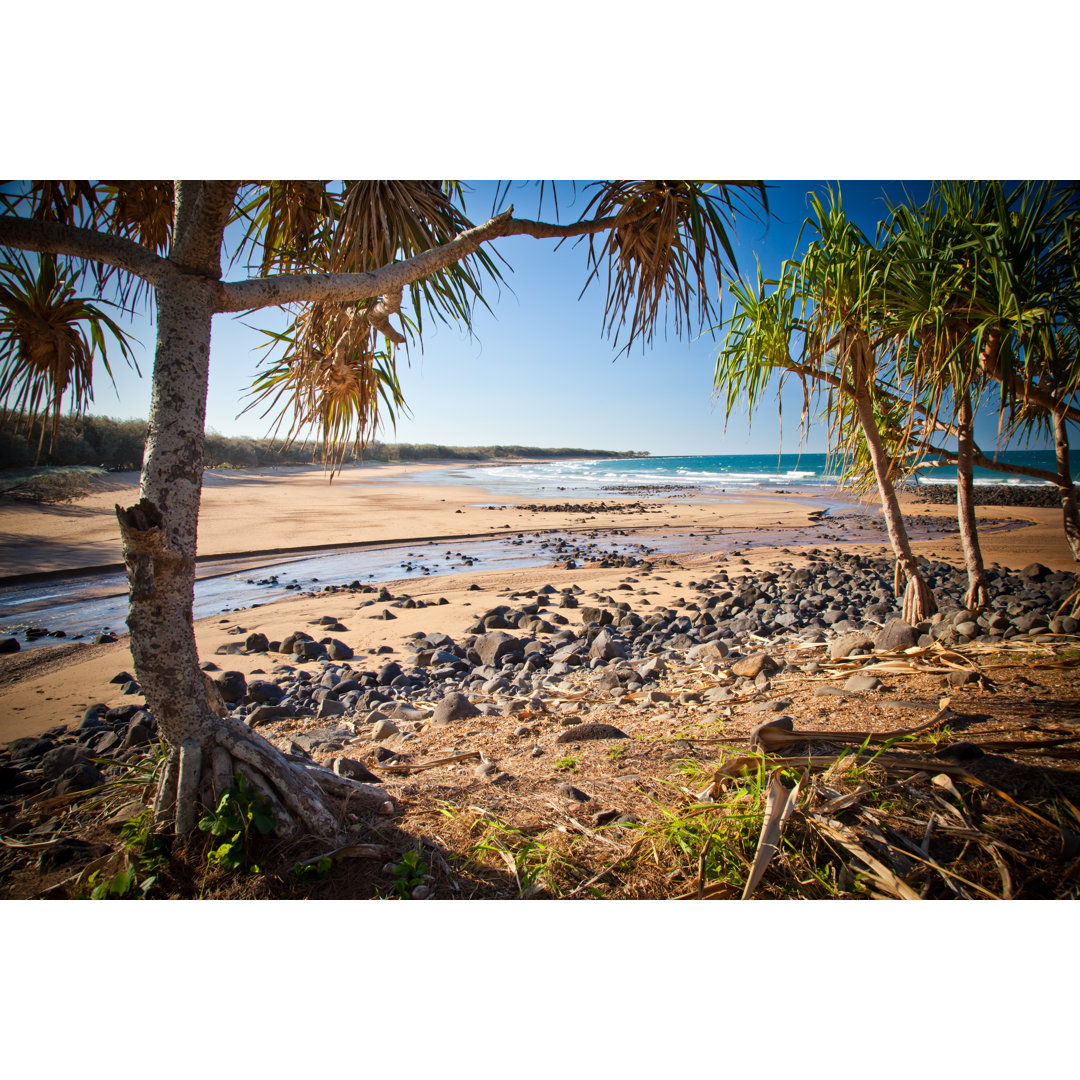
(977, 598)
(302, 797)
(919, 602)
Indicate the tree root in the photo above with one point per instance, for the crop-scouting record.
(977, 598)
(919, 602)
(302, 798)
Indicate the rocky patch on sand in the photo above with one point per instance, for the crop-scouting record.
(556, 681)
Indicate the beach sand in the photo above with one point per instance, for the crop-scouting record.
(245, 512)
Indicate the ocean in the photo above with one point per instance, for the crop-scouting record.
(709, 474)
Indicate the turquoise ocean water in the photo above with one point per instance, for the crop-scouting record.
(728, 474)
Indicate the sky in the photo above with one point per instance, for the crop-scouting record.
(537, 369)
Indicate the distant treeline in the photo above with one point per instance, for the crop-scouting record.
(118, 445)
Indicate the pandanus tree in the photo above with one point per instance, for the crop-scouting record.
(985, 282)
(342, 257)
(822, 323)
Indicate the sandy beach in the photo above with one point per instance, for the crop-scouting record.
(247, 512)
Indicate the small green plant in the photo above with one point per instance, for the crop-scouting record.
(239, 811)
(317, 869)
(565, 764)
(532, 862)
(617, 752)
(144, 860)
(409, 872)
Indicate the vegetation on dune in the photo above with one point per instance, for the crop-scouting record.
(117, 445)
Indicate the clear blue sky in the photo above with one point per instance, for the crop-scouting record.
(537, 370)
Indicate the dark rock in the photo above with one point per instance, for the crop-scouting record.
(79, 777)
(9, 645)
(895, 635)
(584, 732)
(355, 770)
(138, 734)
(265, 713)
(568, 791)
(605, 646)
(310, 650)
(750, 667)
(330, 707)
(264, 692)
(453, 707)
(57, 761)
(94, 716)
(288, 644)
(257, 643)
(494, 647)
(760, 735)
(388, 673)
(338, 650)
(232, 684)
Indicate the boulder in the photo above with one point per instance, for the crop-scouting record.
(338, 650)
(750, 667)
(264, 692)
(494, 646)
(895, 636)
(232, 685)
(453, 707)
(605, 646)
(844, 646)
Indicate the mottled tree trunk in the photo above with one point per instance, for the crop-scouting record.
(918, 602)
(159, 536)
(160, 532)
(977, 595)
(1065, 484)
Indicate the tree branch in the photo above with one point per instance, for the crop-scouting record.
(388, 281)
(344, 288)
(979, 458)
(56, 238)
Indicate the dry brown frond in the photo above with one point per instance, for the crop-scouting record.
(142, 210)
(331, 379)
(670, 238)
(289, 219)
(384, 220)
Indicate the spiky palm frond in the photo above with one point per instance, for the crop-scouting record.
(383, 221)
(70, 202)
(288, 224)
(49, 338)
(670, 249)
(139, 210)
(333, 375)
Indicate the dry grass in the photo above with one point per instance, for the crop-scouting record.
(882, 806)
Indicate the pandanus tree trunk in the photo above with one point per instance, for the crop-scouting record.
(977, 595)
(918, 600)
(1065, 484)
(206, 751)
